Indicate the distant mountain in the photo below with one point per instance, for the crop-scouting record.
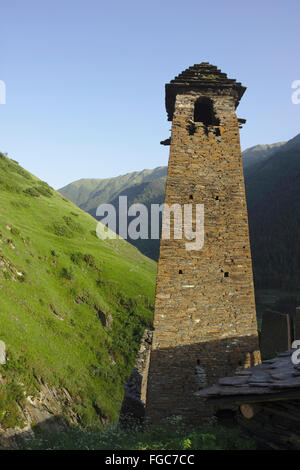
(72, 307)
(272, 179)
(88, 194)
(145, 186)
(273, 199)
(256, 155)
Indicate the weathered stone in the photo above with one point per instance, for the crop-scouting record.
(2, 352)
(133, 406)
(275, 333)
(205, 318)
(297, 323)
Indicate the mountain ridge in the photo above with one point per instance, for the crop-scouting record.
(268, 177)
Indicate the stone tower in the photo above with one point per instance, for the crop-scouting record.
(205, 319)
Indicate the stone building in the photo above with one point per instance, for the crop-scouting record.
(205, 320)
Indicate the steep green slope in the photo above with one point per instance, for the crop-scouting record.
(72, 307)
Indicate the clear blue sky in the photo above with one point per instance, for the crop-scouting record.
(85, 79)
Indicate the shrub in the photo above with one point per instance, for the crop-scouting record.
(31, 191)
(77, 258)
(11, 396)
(60, 229)
(15, 231)
(89, 259)
(54, 254)
(67, 273)
(74, 226)
(45, 190)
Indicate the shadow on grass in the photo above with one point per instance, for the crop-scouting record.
(170, 434)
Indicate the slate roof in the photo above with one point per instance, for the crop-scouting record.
(274, 379)
(200, 76)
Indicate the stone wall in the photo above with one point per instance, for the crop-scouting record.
(205, 309)
(275, 333)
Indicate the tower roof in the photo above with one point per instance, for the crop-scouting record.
(200, 76)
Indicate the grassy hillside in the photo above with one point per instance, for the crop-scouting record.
(72, 307)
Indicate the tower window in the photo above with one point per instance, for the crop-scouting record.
(226, 274)
(204, 112)
(191, 196)
(180, 271)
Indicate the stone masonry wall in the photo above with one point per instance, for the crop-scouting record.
(205, 317)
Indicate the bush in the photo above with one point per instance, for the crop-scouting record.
(60, 230)
(40, 189)
(31, 191)
(15, 231)
(11, 396)
(44, 189)
(67, 273)
(77, 258)
(89, 259)
(54, 253)
(74, 226)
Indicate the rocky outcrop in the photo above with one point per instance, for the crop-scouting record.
(2, 352)
(43, 412)
(133, 406)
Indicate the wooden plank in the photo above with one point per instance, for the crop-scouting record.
(254, 398)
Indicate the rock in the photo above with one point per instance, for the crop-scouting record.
(2, 352)
(133, 406)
